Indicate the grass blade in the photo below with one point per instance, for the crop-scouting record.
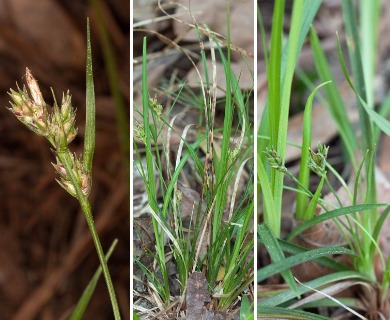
(285, 296)
(151, 187)
(115, 87)
(283, 313)
(299, 258)
(276, 254)
(246, 311)
(332, 214)
(89, 138)
(304, 171)
(336, 103)
(311, 208)
(82, 304)
(325, 261)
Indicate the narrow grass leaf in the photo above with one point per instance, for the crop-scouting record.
(354, 50)
(283, 313)
(367, 114)
(89, 137)
(384, 110)
(325, 261)
(340, 179)
(263, 38)
(166, 230)
(150, 186)
(274, 71)
(83, 302)
(379, 224)
(336, 104)
(151, 189)
(270, 214)
(282, 111)
(246, 309)
(276, 253)
(330, 215)
(310, 212)
(154, 281)
(178, 170)
(271, 125)
(190, 148)
(221, 170)
(238, 271)
(386, 280)
(328, 279)
(113, 74)
(381, 122)
(304, 171)
(276, 267)
(327, 303)
(357, 179)
(369, 27)
(335, 300)
(235, 188)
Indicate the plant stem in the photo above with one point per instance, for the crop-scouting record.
(91, 225)
(333, 191)
(65, 158)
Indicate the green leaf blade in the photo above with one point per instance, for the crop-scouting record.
(89, 137)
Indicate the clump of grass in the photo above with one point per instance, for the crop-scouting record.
(358, 223)
(57, 124)
(273, 126)
(219, 244)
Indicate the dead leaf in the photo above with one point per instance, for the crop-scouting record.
(213, 14)
(197, 296)
(198, 301)
(145, 12)
(240, 70)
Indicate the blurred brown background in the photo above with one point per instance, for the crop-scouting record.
(46, 253)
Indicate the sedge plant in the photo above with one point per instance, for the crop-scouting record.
(272, 133)
(274, 122)
(362, 35)
(57, 125)
(218, 240)
(361, 223)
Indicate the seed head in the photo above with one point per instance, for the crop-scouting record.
(232, 154)
(317, 161)
(31, 111)
(139, 132)
(83, 178)
(68, 115)
(34, 89)
(158, 108)
(179, 196)
(63, 121)
(275, 160)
